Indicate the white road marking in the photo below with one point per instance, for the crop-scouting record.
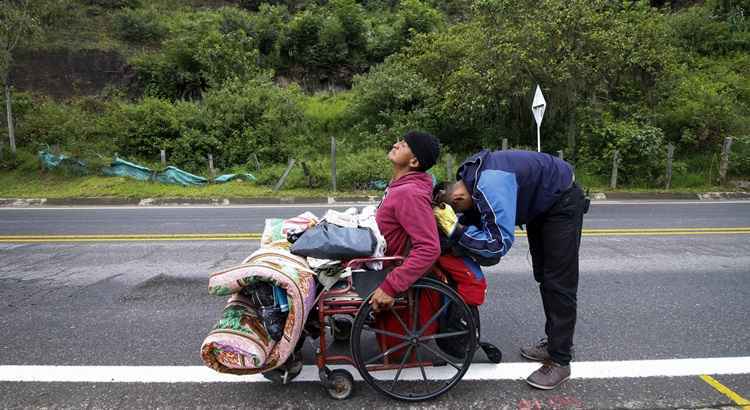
(478, 371)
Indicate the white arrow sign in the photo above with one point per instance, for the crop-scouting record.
(537, 107)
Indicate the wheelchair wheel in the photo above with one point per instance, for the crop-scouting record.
(396, 351)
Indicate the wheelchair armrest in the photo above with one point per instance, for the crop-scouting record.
(387, 260)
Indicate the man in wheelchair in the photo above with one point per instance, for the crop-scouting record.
(405, 216)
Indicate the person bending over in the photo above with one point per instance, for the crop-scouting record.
(495, 191)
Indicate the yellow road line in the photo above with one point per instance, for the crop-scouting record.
(733, 228)
(121, 240)
(140, 236)
(739, 400)
(254, 236)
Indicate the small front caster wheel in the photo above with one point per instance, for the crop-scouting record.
(340, 384)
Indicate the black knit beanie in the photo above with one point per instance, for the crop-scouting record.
(425, 147)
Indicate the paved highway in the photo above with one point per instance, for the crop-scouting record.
(662, 281)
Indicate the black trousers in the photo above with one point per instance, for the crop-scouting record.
(554, 241)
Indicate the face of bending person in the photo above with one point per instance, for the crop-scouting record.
(401, 156)
(459, 196)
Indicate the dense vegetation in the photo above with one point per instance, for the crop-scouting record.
(278, 79)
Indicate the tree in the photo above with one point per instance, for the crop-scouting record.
(19, 22)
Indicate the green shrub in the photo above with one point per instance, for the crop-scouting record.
(642, 151)
(739, 163)
(139, 26)
(204, 49)
(389, 100)
(320, 38)
(50, 123)
(418, 17)
(147, 127)
(702, 106)
(252, 117)
(356, 169)
(23, 160)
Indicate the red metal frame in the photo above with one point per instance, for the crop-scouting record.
(327, 308)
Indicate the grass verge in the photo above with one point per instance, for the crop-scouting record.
(36, 185)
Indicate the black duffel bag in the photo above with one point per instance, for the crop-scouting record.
(329, 241)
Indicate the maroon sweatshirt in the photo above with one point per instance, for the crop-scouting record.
(405, 217)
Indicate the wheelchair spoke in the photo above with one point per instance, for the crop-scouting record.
(441, 355)
(401, 367)
(384, 332)
(433, 318)
(443, 335)
(419, 360)
(415, 313)
(401, 321)
(387, 352)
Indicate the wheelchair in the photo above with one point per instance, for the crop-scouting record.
(402, 352)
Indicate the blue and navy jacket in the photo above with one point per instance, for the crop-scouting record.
(509, 188)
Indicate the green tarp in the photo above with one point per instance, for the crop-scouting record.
(173, 175)
(231, 177)
(121, 168)
(62, 162)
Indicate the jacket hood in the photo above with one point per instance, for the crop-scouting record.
(469, 170)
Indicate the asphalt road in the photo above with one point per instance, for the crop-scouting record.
(133, 303)
(239, 219)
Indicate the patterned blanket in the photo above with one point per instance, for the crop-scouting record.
(239, 343)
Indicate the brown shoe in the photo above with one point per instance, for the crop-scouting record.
(549, 376)
(537, 352)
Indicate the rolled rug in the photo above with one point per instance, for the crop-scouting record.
(250, 349)
(238, 343)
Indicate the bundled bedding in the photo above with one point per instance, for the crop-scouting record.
(240, 342)
(273, 290)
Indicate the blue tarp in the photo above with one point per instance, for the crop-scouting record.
(170, 175)
(173, 175)
(231, 177)
(121, 168)
(68, 165)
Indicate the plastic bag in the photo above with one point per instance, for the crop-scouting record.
(366, 219)
(329, 241)
(277, 230)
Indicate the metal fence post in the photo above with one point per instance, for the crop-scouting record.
(450, 175)
(505, 144)
(211, 165)
(163, 158)
(615, 164)
(333, 163)
(281, 181)
(670, 155)
(724, 164)
(257, 163)
(560, 154)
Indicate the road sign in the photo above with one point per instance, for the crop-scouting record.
(537, 107)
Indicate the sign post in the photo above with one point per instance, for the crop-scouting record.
(537, 107)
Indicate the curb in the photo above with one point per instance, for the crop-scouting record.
(155, 202)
